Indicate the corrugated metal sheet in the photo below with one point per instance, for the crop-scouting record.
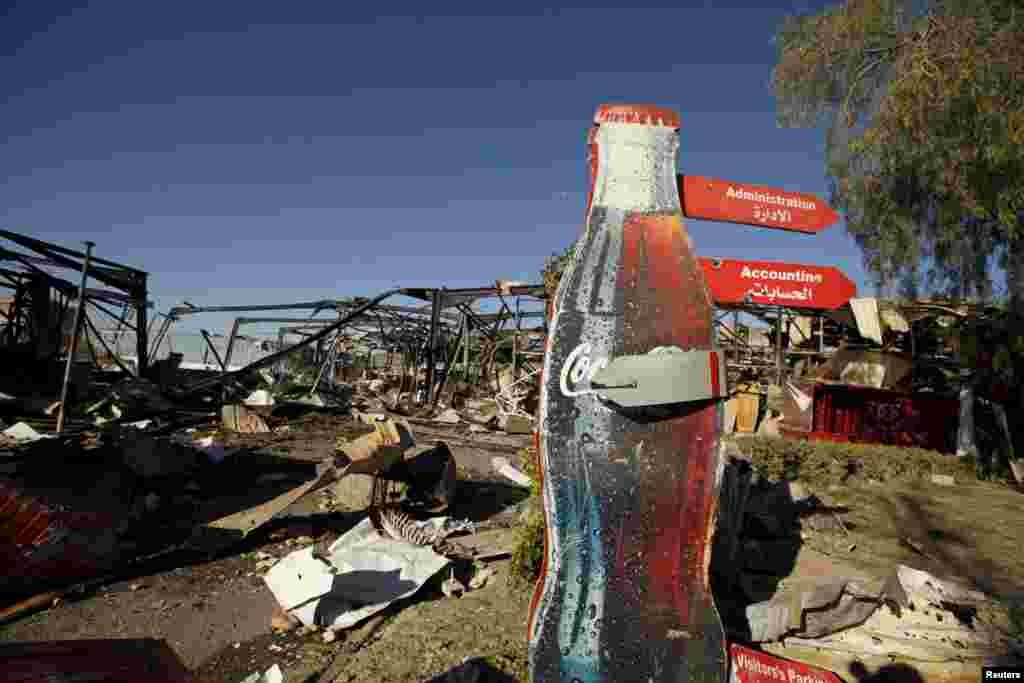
(846, 413)
(35, 541)
(142, 660)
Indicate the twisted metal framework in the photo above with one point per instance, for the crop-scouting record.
(433, 335)
(34, 317)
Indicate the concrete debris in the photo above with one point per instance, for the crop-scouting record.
(817, 609)
(503, 467)
(480, 578)
(869, 323)
(374, 452)
(450, 416)
(477, 429)
(369, 417)
(271, 675)
(363, 574)
(238, 418)
(943, 480)
(21, 433)
(259, 398)
(506, 378)
(1017, 467)
(935, 620)
(769, 425)
(516, 424)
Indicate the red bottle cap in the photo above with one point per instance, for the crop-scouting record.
(643, 114)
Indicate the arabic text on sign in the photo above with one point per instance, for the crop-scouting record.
(773, 293)
(767, 214)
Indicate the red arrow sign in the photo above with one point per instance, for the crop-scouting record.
(722, 200)
(751, 666)
(771, 282)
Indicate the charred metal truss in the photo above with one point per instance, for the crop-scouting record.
(431, 335)
(790, 345)
(42, 298)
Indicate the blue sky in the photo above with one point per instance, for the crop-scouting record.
(270, 152)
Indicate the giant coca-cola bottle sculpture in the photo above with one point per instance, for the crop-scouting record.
(630, 430)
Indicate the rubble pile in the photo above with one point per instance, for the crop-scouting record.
(837, 613)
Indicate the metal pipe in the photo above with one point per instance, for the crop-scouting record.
(231, 343)
(79, 312)
(435, 313)
(274, 357)
(113, 355)
(161, 333)
(141, 335)
(465, 347)
(212, 348)
(778, 348)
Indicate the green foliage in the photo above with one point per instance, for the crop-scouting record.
(1016, 618)
(554, 266)
(925, 114)
(528, 556)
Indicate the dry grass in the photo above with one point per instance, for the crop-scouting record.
(825, 463)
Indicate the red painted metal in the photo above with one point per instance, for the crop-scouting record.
(645, 114)
(868, 415)
(38, 544)
(713, 362)
(112, 661)
(765, 207)
(751, 666)
(772, 282)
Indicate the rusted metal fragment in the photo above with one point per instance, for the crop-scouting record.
(42, 546)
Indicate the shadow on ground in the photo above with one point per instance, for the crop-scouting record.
(890, 673)
(479, 501)
(476, 670)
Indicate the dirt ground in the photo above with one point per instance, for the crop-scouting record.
(216, 613)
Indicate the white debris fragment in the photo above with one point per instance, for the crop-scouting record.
(22, 433)
(363, 575)
(503, 467)
(260, 397)
(271, 675)
(480, 578)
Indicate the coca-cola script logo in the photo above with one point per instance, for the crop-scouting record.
(578, 371)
